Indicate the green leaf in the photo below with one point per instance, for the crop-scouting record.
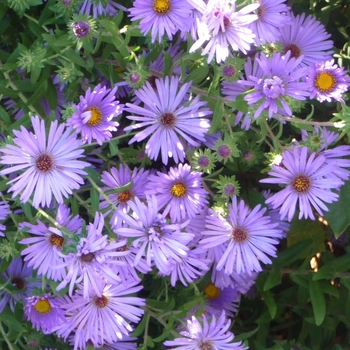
(317, 301)
(331, 268)
(93, 174)
(293, 253)
(198, 74)
(338, 216)
(216, 120)
(302, 229)
(74, 57)
(113, 148)
(246, 335)
(140, 327)
(273, 279)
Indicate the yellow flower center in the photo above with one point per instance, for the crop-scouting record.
(211, 291)
(43, 306)
(325, 81)
(96, 116)
(301, 184)
(162, 7)
(178, 189)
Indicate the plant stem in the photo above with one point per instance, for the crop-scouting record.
(6, 338)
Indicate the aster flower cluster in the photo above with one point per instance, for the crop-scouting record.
(161, 162)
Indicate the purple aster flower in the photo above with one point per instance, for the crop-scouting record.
(19, 275)
(190, 269)
(116, 178)
(280, 80)
(224, 28)
(104, 317)
(92, 260)
(233, 89)
(250, 236)
(320, 140)
(44, 247)
(180, 192)
(161, 16)
(327, 81)
(219, 299)
(272, 14)
(307, 181)
(306, 37)
(242, 282)
(51, 163)
(168, 119)
(283, 225)
(95, 113)
(101, 8)
(4, 211)
(206, 333)
(44, 312)
(157, 240)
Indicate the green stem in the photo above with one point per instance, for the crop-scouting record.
(145, 333)
(163, 323)
(9, 344)
(108, 141)
(13, 86)
(37, 22)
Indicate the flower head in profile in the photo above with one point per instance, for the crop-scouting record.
(224, 28)
(272, 14)
(50, 163)
(247, 237)
(44, 312)
(161, 16)
(306, 37)
(46, 243)
(327, 81)
(95, 113)
(19, 274)
(280, 81)
(206, 333)
(308, 184)
(180, 192)
(168, 119)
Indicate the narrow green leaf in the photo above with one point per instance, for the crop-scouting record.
(95, 199)
(273, 279)
(74, 57)
(198, 74)
(140, 327)
(216, 120)
(330, 269)
(338, 216)
(317, 301)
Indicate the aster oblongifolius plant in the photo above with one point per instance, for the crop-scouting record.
(174, 174)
